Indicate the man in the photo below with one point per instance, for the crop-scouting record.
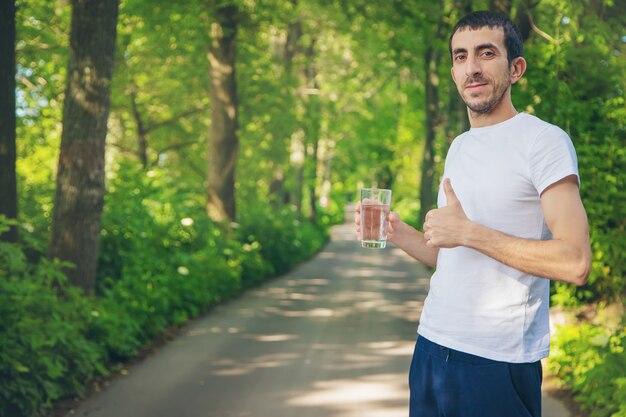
(509, 218)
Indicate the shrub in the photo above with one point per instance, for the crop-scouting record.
(161, 262)
(44, 354)
(591, 360)
(284, 240)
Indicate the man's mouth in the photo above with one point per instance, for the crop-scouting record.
(474, 86)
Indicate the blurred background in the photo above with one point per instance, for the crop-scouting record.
(159, 157)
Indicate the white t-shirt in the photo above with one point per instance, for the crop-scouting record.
(475, 303)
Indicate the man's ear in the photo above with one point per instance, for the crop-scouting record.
(452, 72)
(518, 68)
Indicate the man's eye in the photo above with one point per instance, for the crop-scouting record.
(488, 54)
(459, 57)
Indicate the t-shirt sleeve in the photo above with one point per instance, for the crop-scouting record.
(552, 158)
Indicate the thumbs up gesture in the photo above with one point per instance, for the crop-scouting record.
(447, 227)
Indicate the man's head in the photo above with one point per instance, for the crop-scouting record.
(486, 52)
(476, 20)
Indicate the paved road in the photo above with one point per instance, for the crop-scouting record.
(333, 338)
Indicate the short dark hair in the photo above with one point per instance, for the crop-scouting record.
(479, 19)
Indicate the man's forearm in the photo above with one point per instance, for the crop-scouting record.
(414, 244)
(554, 259)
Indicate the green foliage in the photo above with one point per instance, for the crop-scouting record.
(44, 354)
(575, 80)
(284, 240)
(334, 211)
(591, 361)
(162, 261)
(41, 59)
(159, 85)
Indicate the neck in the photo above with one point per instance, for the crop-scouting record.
(504, 111)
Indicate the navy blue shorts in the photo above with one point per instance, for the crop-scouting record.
(448, 383)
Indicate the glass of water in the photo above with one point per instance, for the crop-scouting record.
(374, 212)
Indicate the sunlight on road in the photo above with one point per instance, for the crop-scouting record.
(235, 368)
(382, 395)
(272, 337)
(392, 348)
(333, 338)
(315, 312)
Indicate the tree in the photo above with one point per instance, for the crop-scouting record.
(8, 182)
(79, 195)
(159, 93)
(312, 126)
(223, 141)
(432, 59)
(290, 49)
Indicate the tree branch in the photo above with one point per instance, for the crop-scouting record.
(195, 169)
(541, 32)
(27, 82)
(176, 146)
(123, 148)
(172, 119)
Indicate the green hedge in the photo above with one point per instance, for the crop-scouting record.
(160, 264)
(44, 351)
(590, 359)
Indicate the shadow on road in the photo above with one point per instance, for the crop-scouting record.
(332, 338)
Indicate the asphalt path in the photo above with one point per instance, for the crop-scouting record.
(332, 338)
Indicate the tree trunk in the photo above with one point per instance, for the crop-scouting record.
(434, 122)
(313, 181)
(142, 141)
(312, 122)
(297, 157)
(223, 140)
(8, 180)
(324, 165)
(294, 33)
(522, 17)
(502, 6)
(80, 179)
(523, 23)
(432, 58)
(278, 187)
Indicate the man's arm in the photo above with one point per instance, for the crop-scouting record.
(567, 257)
(405, 237)
(411, 241)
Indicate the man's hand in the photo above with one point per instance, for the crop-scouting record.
(396, 229)
(446, 227)
(410, 240)
(404, 236)
(565, 257)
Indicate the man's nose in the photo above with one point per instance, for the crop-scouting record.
(472, 66)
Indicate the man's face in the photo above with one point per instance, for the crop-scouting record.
(480, 68)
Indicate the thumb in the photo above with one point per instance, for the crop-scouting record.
(451, 197)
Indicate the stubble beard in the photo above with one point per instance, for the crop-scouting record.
(485, 107)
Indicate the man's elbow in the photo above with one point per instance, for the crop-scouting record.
(581, 271)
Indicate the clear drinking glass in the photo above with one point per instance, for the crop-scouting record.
(374, 212)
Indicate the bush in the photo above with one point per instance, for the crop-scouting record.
(284, 240)
(44, 354)
(334, 211)
(161, 262)
(591, 361)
